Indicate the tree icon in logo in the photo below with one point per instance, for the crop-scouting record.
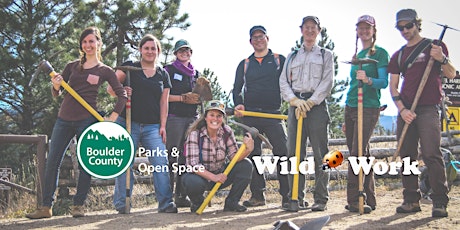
(105, 150)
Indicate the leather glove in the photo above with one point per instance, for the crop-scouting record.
(310, 104)
(300, 114)
(191, 98)
(299, 103)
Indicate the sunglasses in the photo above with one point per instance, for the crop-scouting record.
(216, 104)
(408, 26)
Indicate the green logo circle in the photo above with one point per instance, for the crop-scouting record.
(105, 150)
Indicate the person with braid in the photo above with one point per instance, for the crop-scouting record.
(374, 77)
(85, 76)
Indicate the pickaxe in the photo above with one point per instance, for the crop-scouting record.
(254, 133)
(46, 67)
(360, 62)
(128, 128)
(203, 89)
(420, 88)
(294, 202)
(230, 111)
(315, 224)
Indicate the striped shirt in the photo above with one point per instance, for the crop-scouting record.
(214, 154)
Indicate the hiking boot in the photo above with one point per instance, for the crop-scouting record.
(284, 201)
(121, 210)
(182, 202)
(254, 202)
(318, 207)
(194, 207)
(439, 210)
(355, 208)
(290, 206)
(234, 208)
(170, 209)
(78, 211)
(41, 212)
(408, 207)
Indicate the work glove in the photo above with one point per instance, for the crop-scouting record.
(300, 114)
(191, 98)
(299, 103)
(310, 104)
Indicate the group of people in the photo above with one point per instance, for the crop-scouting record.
(164, 116)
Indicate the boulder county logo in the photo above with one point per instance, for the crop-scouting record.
(105, 150)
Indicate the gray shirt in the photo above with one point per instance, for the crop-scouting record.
(307, 72)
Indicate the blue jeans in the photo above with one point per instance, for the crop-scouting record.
(63, 132)
(148, 135)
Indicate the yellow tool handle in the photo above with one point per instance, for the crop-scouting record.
(263, 115)
(218, 184)
(79, 98)
(295, 182)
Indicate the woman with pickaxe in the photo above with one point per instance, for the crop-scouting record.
(85, 76)
(368, 75)
(209, 145)
(149, 91)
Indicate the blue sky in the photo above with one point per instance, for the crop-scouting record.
(219, 34)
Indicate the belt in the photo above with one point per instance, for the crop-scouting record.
(303, 95)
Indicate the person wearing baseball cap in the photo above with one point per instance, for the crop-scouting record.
(181, 44)
(305, 82)
(422, 123)
(183, 104)
(375, 78)
(210, 142)
(256, 88)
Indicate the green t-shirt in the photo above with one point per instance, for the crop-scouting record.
(371, 94)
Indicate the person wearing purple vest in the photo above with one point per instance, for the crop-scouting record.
(182, 112)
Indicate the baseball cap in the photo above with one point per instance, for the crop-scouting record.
(255, 28)
(367, 19)
(181, 44)
(406, 15)
(215, 105)
(313, 18)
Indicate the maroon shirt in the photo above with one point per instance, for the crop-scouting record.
(86, 83)
(431, 94)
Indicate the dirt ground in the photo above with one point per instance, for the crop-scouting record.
(384, 217)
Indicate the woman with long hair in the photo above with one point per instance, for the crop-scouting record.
(85, 76)
(374, 77)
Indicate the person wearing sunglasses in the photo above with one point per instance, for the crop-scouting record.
(182, 112)
(374, 77)
(424, 123)
(209, 147)
(256, 88)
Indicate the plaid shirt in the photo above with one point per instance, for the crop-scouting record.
(214, 154)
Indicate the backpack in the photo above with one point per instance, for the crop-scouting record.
(294, 53)
(246, 66)
(451, 172)
(412, 56)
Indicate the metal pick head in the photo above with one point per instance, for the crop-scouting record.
(361, 61)
(445, 26)
(44, 66)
